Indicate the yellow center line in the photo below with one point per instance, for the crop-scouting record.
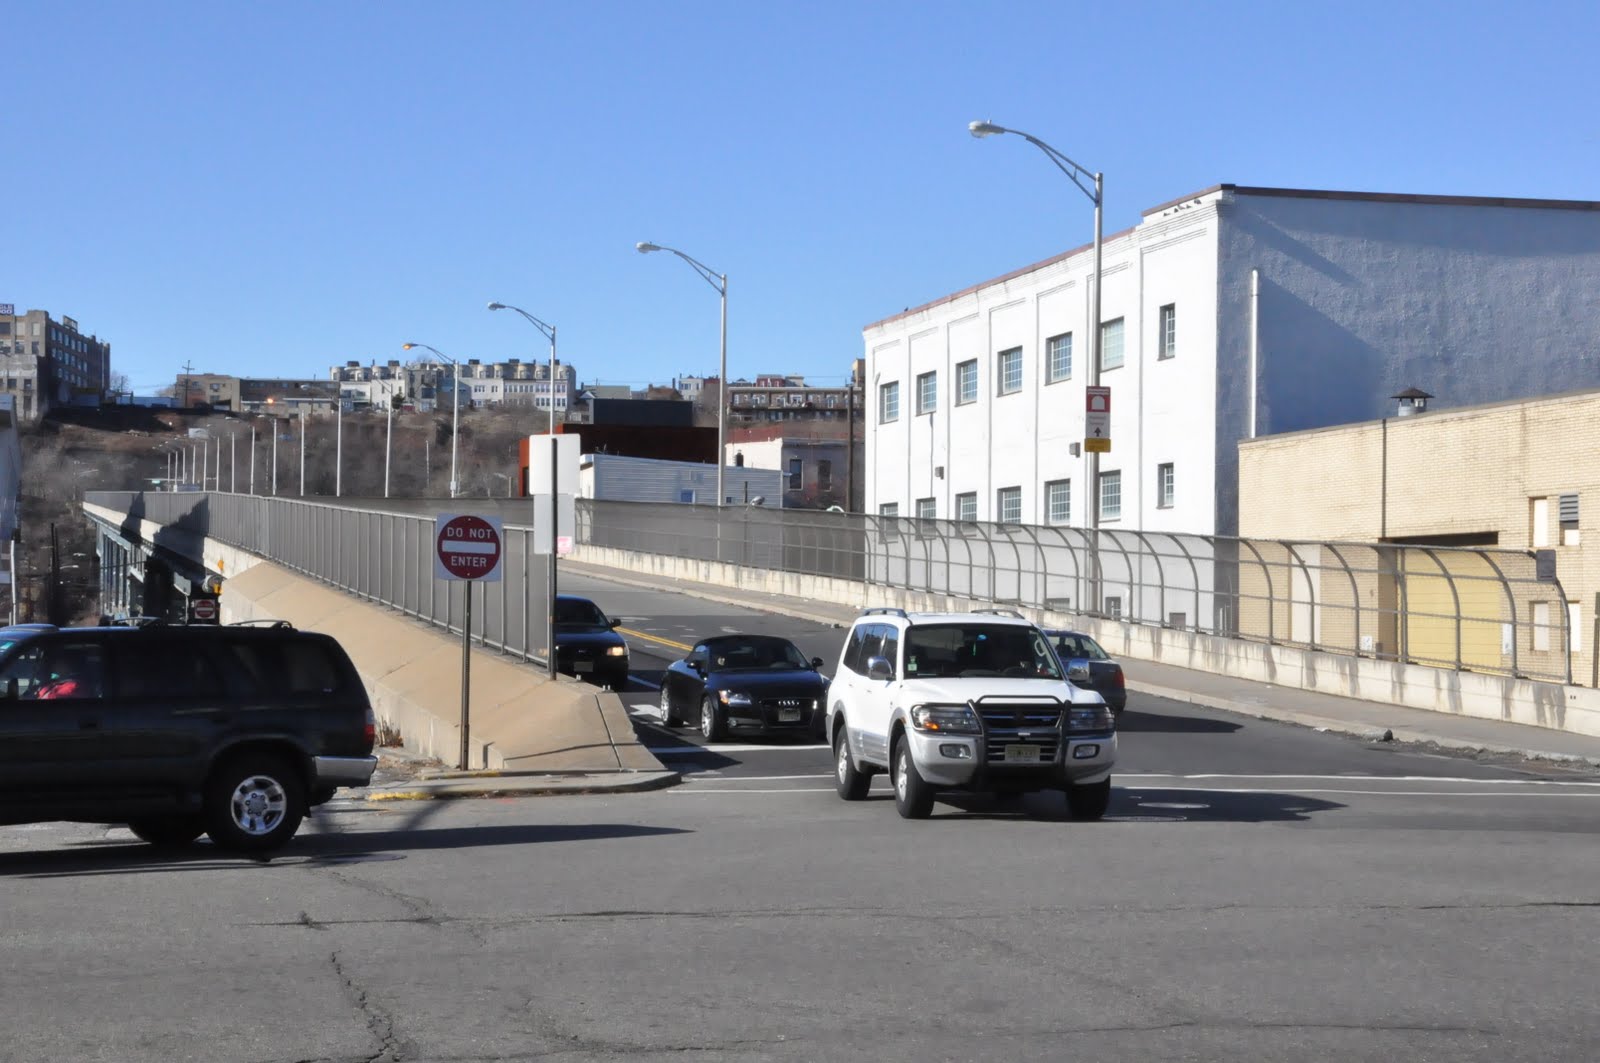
(685, 647)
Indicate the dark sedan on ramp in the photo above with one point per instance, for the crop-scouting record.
(749, 683)
(587, 645)
(1105, 674)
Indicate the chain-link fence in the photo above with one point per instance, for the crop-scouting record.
(1461, 608)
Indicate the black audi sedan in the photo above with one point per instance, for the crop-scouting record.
(587, 646)
(1105, 674)
(750, 683)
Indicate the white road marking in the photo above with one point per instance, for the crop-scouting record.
(726, 747)
(1372, 778)
(1332, 790)
(756, 778)
(789, 790)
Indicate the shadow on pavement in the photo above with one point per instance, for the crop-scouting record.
(1150, 806)
(109, 857)
(1161, 722)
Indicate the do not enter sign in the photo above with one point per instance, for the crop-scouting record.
(467, 547)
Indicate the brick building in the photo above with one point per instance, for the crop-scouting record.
(47, 361)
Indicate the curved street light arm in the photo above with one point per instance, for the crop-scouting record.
(712, 277)
(1074, 172)
(548, 330)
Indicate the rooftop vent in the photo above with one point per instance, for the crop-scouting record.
(1412, 402)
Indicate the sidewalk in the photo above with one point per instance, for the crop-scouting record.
(406, 776)
(1365, 719)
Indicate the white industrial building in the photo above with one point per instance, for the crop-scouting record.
(616, 478)
(1228, 313)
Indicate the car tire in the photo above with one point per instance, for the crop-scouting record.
(1089, 802)
(851, 782)
(913, 797)
(713, 726)
(170, 832)
(668, 717)
(254, 803)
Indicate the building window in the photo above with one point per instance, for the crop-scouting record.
(1114, 606)
(927, 392)
(889, 509)
(1111, 344)
(1008, 504)
(889, 402)
(1567, 515)
(1058, 350)
(1010, 371)
(925, 509)
(1167, 346)
(824, 475)
(967, 382)
(1164, 490)
(796, 474)
(967, 506)
(1541, 625)
(1111, 496)
(1575, 627)
(1539, 535)
(1058, 501)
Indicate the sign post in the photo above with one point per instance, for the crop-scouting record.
(467, 548)
(559, 481)
(1097, 421)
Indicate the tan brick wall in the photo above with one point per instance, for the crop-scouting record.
(1449, 472)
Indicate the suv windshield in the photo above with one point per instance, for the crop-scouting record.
(967, 650)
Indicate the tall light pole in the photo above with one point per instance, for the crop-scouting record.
(455, 412)
(719, 281)
(550, 334)
(1078, 175)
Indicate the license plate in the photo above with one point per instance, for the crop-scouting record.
(1023, 754)
(583, 666)
(788, 715)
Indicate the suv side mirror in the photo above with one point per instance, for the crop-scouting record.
(816, 662)
(1078, 670)
(879, 668)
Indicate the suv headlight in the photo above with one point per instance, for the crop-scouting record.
(617, 651)
(1091, 718)
(945, 719)
(739, 700)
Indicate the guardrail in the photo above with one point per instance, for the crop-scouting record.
(1460, 608)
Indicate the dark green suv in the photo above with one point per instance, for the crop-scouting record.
(234, 732)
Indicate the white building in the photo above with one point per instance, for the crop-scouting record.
(613, 477)
(1228, 313)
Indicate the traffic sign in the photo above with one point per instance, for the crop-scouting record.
(1097, 419)
(467, 547)
(202, 610)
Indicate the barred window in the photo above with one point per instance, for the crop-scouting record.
(1059, 352)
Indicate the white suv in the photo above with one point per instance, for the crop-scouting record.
(972, 701)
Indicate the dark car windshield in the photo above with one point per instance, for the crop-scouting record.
(1073, 645)
(579, 613)
(763, 654)
(964, 650)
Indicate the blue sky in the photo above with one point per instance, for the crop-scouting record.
(274, 189)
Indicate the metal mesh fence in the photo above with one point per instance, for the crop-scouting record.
(1461, 608)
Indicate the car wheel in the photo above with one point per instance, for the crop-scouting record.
(713, 728)
(851, 782)
(667, 717)
(913, 797)
(254, 803)
(171, 832)
(1089, 802)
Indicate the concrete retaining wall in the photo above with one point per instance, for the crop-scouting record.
(1489, 697)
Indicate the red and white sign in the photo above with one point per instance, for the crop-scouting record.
(1097, 419)
(467, 547)
(203, 610)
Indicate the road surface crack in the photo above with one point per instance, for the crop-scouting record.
(380, 1024)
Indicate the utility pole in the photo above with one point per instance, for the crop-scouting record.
(188, 370)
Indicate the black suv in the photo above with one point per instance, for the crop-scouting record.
(177, 731)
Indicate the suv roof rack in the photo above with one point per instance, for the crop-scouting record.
(264, 622)
(886, 610)
(1002, 612)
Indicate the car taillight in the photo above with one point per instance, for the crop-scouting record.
(372, 725)
(1118, 680)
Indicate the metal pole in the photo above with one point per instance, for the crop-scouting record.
(16, 580)
(555, 523)
(252, 457)
(276, 429)
(1096, 604)
(552, 420)
(388, 446)
(205, 463)
(455, 421)
(338, 450)
(233, 462)
(302, 450)
(466, 675)
(722, 398)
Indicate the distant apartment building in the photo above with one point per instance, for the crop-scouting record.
(47, 361)
(813, 460)
(773, 398)
(518, 383)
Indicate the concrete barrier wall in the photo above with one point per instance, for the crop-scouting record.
(1479, 695)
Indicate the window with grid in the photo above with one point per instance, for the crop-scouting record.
(1010, 370)
(1111, 495)
(1008, 504)
(927, 392)
(1058, 501)
(1114, 606)
(925, 509)
(967, 382)
(1058, 356)
(889, 402)
(1111, 344)
(889, 509)
(796, 474)
(1167, 346)
(967, 506)
(1164, 491)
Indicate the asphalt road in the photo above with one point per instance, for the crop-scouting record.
(1260, 892)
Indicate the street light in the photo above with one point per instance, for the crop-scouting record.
(1077, 175)
(550, 333)
(455, 413)
(719, 281)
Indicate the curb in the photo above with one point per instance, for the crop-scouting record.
(1356, 730)
(524, 785)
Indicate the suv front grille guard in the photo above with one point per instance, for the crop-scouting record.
(1020, 722)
